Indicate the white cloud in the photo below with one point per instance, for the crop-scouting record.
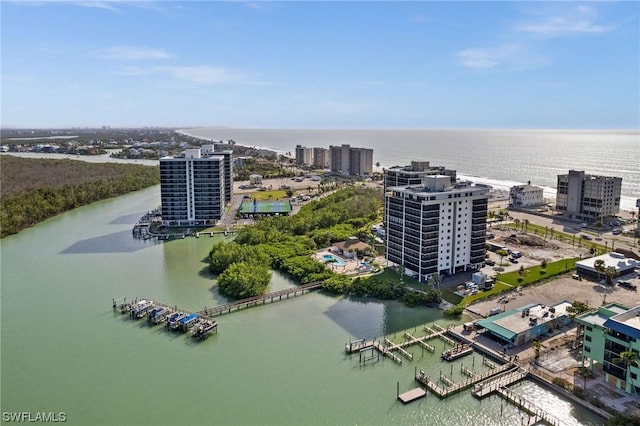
(130, 53)
(201, 75)
(509, 56)
(576, 20)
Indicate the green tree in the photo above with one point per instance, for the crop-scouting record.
(502, 253)
(537, 346)
(611, 272)
(244, 279)
(599, 266)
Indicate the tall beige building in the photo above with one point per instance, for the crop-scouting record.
(588, 197)
(350, 161)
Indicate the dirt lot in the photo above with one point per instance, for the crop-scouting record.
(534, 249)
(565, 288)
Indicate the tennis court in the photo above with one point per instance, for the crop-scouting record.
(265, 207)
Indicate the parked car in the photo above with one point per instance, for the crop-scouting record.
(627, 285)
(616, 231)
(489, 262)
(586, 237)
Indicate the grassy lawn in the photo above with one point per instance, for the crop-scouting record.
(391, 275)
(268, 195)
(536, 274)
(498, 287)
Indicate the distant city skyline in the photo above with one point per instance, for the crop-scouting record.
(367, 65)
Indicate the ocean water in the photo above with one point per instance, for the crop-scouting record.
(501, 158)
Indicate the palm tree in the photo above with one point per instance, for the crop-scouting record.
(525, 224)
(517, 222)
(599, 266)
(628, 358)
(611, 273)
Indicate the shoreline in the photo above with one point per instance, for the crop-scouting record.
(627, 203)
(213, 140)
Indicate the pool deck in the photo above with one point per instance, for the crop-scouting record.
(350, 267)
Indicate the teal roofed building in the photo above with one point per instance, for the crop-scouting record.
(621, 349)
(524, 324)
(612, 339)
(593, 337)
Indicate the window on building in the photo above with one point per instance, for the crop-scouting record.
(587, 349)
(587, 338)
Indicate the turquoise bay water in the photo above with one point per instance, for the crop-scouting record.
(65, 350)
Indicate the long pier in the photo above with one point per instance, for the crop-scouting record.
(256, 300)
(123, 306)
(537, 414)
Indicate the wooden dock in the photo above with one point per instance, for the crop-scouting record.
(497, 382)
(537, 414)
(256, 300)
(459, 386)
(412, 395)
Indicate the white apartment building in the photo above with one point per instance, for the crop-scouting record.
(304, 156)
(349, 161)
(414, 173)
(526, 196)
(436, 227)
(588, 197)
(193, 188)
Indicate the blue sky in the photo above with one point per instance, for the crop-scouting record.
(321, 64)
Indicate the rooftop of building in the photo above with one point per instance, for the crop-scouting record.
(616, 260)
(516, 321)
(526, 188)
(603, 313)
(627, 322)
(441, 184)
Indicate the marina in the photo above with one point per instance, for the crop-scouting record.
(288, 337)
(201, 324)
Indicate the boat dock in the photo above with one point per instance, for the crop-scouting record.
(256, 300)
(389, 347)
(499, 381)
(536, 414)
(453, 387)
(412, 395)
(173, 318)
(185, 320)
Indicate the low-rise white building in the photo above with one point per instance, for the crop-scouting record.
(526, 196)
(623, 265)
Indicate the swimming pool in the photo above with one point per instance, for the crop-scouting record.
(329, 258)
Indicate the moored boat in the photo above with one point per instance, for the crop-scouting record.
(140, 309)
(456, 352)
